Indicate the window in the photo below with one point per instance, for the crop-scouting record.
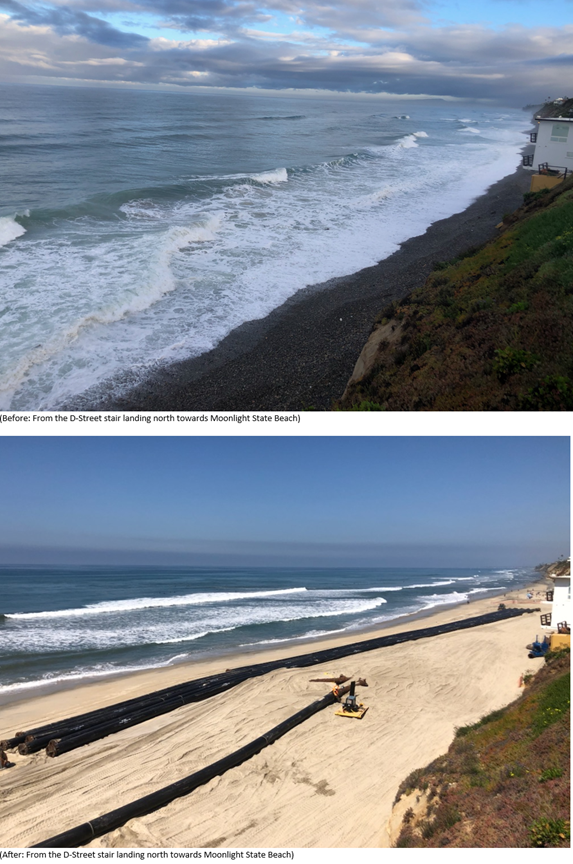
(559, 133)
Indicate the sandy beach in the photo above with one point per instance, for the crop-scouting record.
(334, 779)
(301, 356)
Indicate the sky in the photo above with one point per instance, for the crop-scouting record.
(511, 52)
(346, 501)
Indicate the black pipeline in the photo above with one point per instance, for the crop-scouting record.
(85, 728)
(82, 834)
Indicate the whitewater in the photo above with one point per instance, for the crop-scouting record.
(137, 229)
(82, 623)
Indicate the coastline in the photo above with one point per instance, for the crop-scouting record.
(421, 686)
(302, 354)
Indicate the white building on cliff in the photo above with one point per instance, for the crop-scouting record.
(553, 156)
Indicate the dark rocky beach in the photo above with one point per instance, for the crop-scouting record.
(301, 356)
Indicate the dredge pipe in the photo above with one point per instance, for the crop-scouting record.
(78, 721)
(84, 734)
(82, 834)
(202, 687)
(55, 747)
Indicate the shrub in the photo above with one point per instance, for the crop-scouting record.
(509, 360)
(489, 718)
(550, 774)
(366, 405)
(554, 393)
(522, 306)
(445, 818)
(534, 196)
(549, 832)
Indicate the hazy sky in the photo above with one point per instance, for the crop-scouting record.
(511, 51)
(347, 501)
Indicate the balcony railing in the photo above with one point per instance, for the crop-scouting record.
(527, 160)
(533, 137)
(553, 170)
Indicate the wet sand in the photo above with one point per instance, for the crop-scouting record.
(334, 779)
(301, 356)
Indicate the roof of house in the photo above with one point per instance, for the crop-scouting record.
(557, 111)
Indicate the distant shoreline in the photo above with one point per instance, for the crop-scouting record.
(302, 354)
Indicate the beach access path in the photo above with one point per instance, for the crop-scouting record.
(328, 783)
(301, 356)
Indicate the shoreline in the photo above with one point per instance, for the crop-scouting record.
(301, 356)
(246, 653)
(419, 692)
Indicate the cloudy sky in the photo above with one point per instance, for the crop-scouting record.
(511, 51)
(483, 502)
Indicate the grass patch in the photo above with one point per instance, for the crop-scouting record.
(489, 718)
(554, 704)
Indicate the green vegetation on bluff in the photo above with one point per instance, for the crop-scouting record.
(504, 782)
(492, 330)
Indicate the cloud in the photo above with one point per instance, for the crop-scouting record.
(358, 46)
(64, 20)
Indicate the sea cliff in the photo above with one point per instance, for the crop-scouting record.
(489, 329)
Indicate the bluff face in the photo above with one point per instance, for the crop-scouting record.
(491, 330)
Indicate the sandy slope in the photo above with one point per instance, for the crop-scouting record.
(329, 783)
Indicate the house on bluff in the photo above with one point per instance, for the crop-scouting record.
(553, 156)
(559, 598)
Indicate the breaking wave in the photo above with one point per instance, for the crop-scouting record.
(9, 230)
(154, 603)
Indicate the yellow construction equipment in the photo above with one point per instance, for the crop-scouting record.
(351, 707)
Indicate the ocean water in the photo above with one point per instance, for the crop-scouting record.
(65, 625)
(139, 228)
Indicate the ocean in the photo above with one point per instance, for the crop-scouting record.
(140, 228)
(65, 625)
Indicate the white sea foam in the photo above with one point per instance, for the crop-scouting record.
(139, 603)
(433, 584)
(266, 615)
(131, 300)
(432, 600)
(387, 588)
(471, 130)
(421, 135)
(407, 142)
(9, 230)
(279, 175)
(142, 209)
